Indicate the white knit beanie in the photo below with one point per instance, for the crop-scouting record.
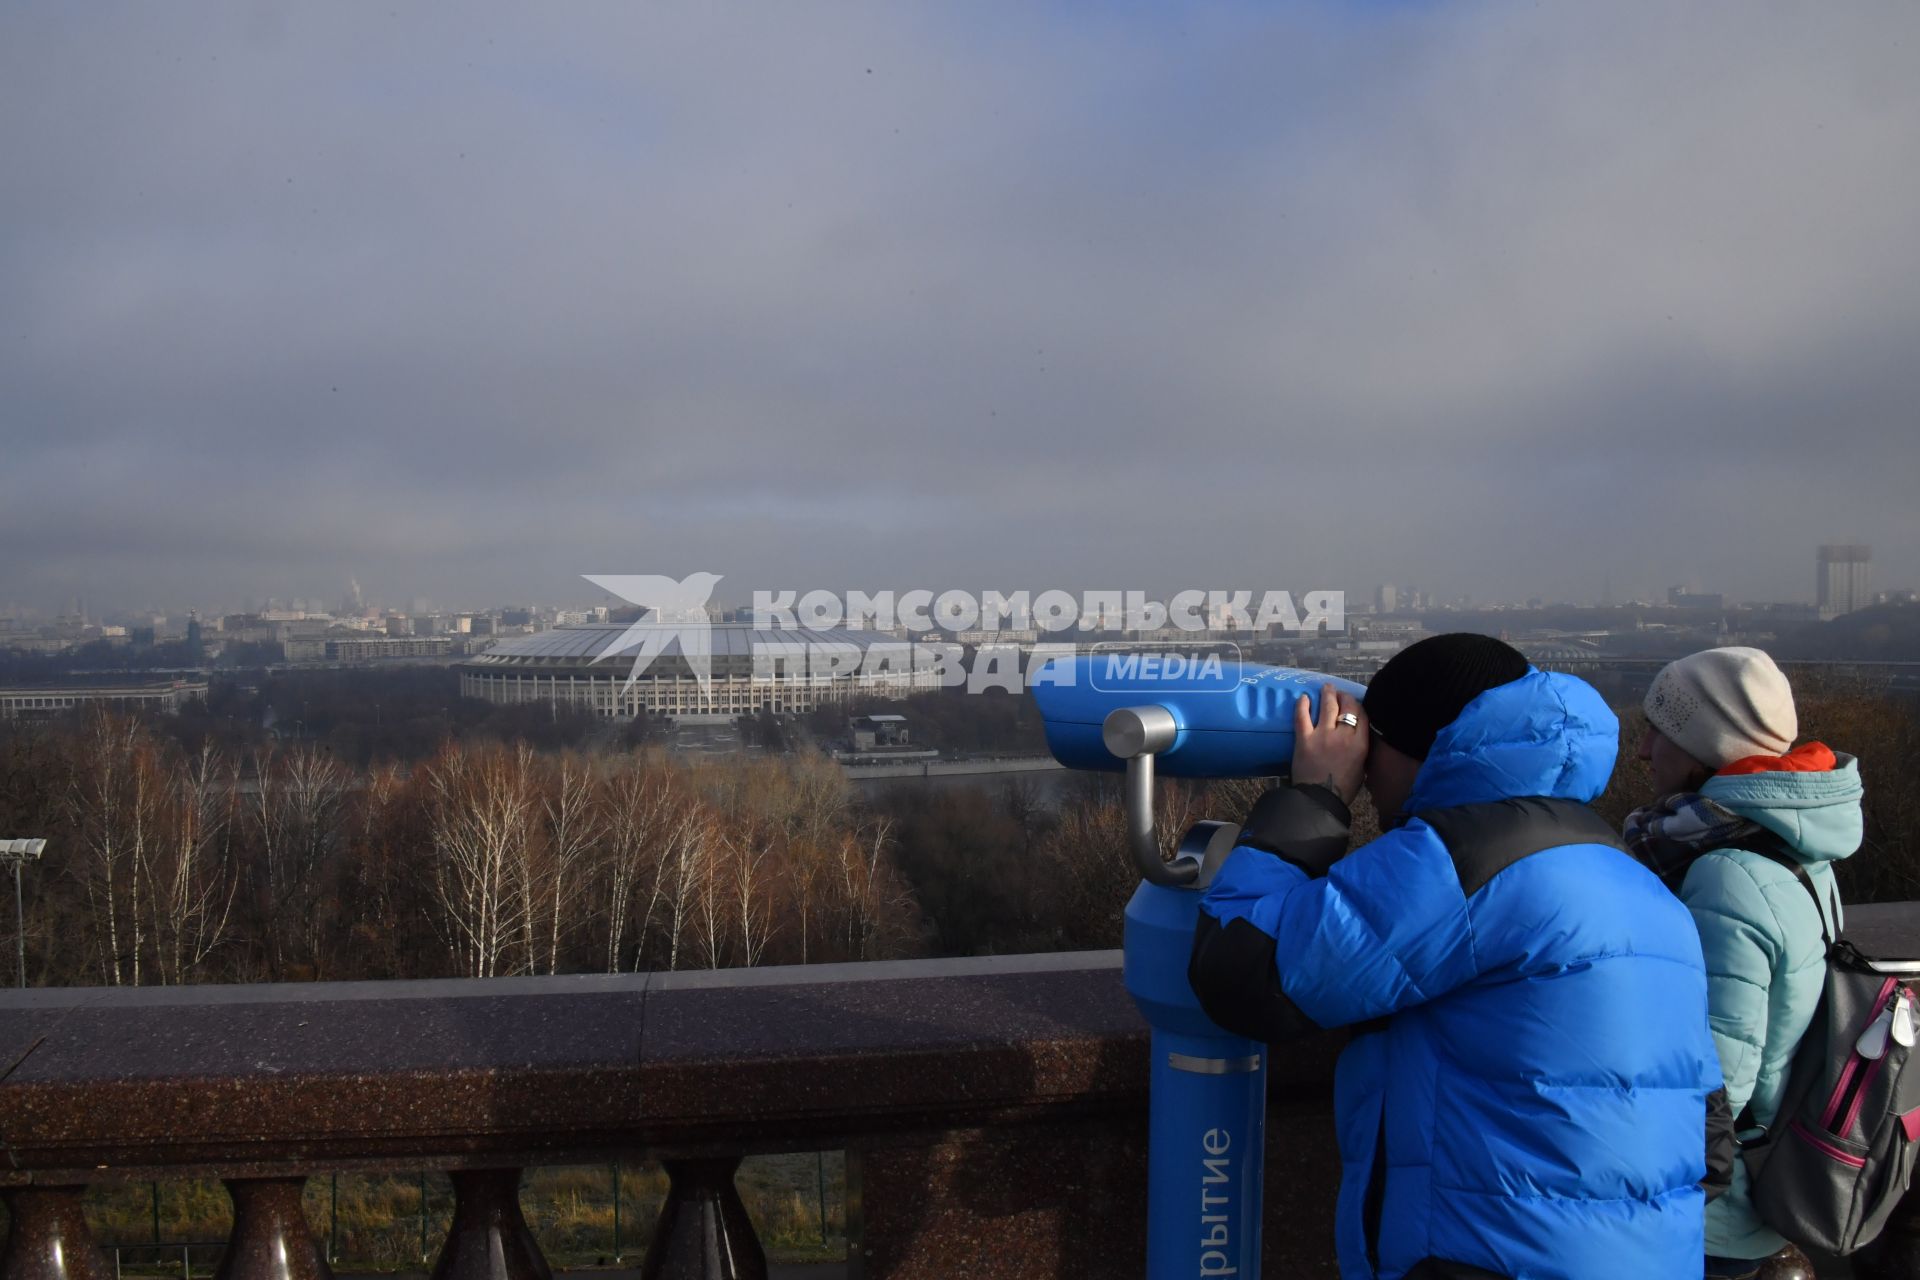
(1722, 705)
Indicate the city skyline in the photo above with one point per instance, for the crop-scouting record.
(1384, 597)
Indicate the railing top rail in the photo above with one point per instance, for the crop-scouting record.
(567, 983)
(113, 1082)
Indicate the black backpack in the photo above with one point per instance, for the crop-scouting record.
(1841, 1151)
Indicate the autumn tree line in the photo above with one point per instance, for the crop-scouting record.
(174, 861)
(170, 865)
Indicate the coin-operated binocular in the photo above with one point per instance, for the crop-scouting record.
(1162, 713)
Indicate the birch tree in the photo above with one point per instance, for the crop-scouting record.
(682, 868)
(481, 810)
(574, 825)
(639, 816)
(194, 883)
(106, 808)
(863, 897)
(752, 897)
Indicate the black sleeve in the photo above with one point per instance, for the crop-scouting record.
(1231, 969)
(1721, 1149)
(1232, 972)
(1305, 825)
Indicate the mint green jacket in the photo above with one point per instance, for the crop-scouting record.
(1766, 960)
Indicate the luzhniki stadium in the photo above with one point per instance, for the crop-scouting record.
(751, 669)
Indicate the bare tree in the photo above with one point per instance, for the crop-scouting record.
(193, 883)
(528, 862)
(380, 910)
(862, 886)
(1021, 800)
(108, 806)
(802, 872)
(752, 898)
(716, 850)
(824, 798)
(295, 811)
(683, 867)
(640, 814)
(574, 825)
(480, 817)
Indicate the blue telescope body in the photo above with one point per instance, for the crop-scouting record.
(1206, 1131)
(1235, 718)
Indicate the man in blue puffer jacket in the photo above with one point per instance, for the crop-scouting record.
(1529, 1089)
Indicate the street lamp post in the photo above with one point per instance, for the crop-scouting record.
(19, 853)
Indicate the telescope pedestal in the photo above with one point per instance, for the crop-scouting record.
(1206, 1131)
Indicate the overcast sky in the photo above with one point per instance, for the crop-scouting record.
(467, 301)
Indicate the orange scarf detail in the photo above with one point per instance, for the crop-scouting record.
(1808, 757)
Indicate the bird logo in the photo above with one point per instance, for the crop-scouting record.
(675, 611)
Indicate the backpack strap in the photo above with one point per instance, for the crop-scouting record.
(1770, 846)
(1774, 849)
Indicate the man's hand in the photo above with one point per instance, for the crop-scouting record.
(1331, 754)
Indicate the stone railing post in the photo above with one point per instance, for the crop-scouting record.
(489, 1239)
(703, 1232)
(47, 1237)
(270, 1239)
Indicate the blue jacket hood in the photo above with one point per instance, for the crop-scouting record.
(1545, 734)
(1817, 813)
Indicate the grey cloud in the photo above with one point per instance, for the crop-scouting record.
(471, 300)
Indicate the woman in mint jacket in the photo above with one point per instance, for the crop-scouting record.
(1730, 783)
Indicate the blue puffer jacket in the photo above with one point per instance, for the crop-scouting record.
(1535, 1101)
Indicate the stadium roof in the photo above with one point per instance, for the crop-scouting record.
(729, 639)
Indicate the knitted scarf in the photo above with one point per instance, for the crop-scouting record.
(1669, 834)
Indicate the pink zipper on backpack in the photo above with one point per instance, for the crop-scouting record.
(1853, 1064)
(1866, 1083)
(1826, 1148)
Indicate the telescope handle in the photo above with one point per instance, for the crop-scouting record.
(1136, 735)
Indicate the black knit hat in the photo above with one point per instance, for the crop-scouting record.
(1425, 686)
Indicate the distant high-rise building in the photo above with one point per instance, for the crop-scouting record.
(1386, 598)
(1842, 581)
